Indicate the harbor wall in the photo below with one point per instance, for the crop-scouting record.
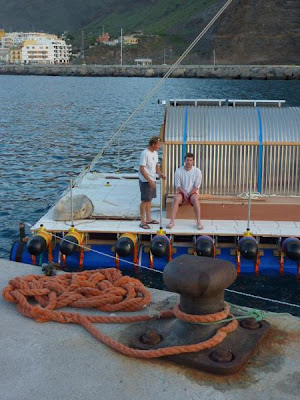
(283, 72)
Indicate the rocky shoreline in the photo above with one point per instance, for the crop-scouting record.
(279, 72)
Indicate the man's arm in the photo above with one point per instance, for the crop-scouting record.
(146, 176)
(159, 173)
(180, 190)
(193, 191)
(197, 183)
(178, 184)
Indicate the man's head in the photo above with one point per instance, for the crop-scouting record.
(154, 143)
(189, 160)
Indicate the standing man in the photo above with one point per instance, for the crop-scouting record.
(187, 181)
(149, 167)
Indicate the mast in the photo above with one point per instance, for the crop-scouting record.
(82, 46)
(121, 46)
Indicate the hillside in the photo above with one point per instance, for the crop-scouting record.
(52, 16)
(250, 31)
(264, 31)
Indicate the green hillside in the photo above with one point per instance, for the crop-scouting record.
(156, 17)
(51, 16)
(152, 16)
(250, 31)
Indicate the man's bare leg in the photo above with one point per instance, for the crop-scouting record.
(195, 202)
(143, 207)
(148, 211)
(174, 210)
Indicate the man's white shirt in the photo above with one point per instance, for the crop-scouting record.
(149, 160)
(188, 180)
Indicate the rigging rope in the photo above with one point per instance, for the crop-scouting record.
(151, 93)
(263, 298)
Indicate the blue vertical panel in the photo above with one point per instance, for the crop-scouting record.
(260, 155)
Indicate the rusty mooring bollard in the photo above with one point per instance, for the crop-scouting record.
(201, 282)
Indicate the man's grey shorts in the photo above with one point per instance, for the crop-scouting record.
(147, 193)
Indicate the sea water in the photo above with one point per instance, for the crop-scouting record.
(52, 127)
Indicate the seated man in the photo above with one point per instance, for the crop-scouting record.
(187, 181)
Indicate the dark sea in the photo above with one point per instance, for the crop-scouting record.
(52, 127)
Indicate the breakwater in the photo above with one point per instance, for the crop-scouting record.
(182, 71)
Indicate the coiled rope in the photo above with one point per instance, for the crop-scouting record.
(107, 290)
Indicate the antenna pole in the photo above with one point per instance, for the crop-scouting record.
(121, 46)
(71, 196)
(118, 170)
(82, 45)
(160, 205)
(249, 207)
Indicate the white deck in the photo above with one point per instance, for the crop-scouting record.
(182, 227)
(121, 201)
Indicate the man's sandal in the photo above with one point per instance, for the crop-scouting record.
(144, 226)
(153, 221)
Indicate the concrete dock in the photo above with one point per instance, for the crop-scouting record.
(58, 362)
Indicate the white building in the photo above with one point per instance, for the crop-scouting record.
(112, 42)
(145, 62)
(61, 51)
(4, 55)
(46, 51)
(15, 39)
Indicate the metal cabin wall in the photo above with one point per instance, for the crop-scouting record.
(281, 151)
(281, 170)
(226, 142)
(213, 135)
(226, 169)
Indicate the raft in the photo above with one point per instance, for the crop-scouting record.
(248, 152)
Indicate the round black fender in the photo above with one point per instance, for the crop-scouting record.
(68, 245)
(160, 246)
(248, 247)
(37, 245)
(125, 246)
(291, 247)
(204, 246)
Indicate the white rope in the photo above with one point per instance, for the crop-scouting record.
(254, 195)
(263, 298)
(152, 92)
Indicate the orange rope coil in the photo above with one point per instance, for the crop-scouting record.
(206, 318)
(107, 290)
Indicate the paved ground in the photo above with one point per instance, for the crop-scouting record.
(59, 362)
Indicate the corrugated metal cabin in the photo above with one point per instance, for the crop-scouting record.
(239, 145)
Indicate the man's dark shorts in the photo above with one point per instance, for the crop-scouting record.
(147, 193)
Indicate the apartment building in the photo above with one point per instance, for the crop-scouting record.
(16, 55)
(16, 39)
(45, 51)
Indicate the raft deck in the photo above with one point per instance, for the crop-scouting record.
(116, 200)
